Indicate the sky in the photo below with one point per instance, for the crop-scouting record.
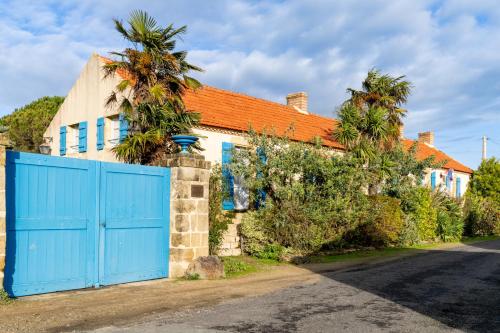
(448, 50)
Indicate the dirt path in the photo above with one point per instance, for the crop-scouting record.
(123, 304)
(451, 290)
(117, 305)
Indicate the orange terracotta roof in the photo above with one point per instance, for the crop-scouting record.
(229, 110)
(234, 111)
(424, 151)
(122, 72)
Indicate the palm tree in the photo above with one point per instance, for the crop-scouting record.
(150, 94)
(370, 122)
(371, 118)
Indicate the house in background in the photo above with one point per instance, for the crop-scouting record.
(85, 128)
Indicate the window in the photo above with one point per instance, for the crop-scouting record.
(241, 193)
(118, 129)
(114, 130)
(73, 137)
(458, 192)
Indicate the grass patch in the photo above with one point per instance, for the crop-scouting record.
(243, 265)
(192, 277)
(5, 298)
(388, 252)
(472, 240)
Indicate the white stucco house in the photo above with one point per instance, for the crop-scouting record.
(85, 128)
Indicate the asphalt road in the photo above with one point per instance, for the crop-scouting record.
(442, 291)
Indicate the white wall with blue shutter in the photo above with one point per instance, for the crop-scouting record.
(123, 127)
(458, 193)
(227, 150)
(100, 133)
(82, 137)
(433, 180)
(62, 141)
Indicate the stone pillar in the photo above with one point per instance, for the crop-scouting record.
(2, 214)
(189, 186)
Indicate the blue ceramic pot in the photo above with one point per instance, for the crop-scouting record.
(184, 141)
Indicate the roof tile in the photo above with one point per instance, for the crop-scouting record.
(235, 111)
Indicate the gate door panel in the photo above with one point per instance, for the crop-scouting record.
(134, 223)
(51, 215)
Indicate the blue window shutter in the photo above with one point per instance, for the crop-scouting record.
(100, 133)
(458, 193)
(227, 151)
(433, 180)
(123, 127)
(62, 141)
(82, 137)
(261, 194)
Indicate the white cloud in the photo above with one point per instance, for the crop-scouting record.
(270, 48)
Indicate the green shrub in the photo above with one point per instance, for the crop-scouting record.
(272, 251)
(255, 238)
(449, 220)
(4, 297)
(449, 228)
(384, 223)
(234, 266)
(217, 218)
(312, 199)
(192, 277)
(485, 181)
(417, 204)
(482, 216)
(409, 232)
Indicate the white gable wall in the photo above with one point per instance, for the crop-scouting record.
(86, 102)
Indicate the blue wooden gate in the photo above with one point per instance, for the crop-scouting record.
(75, 223)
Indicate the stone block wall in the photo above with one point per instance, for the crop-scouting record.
(231, 244)
(189, 186)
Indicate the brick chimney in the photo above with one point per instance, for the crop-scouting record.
(298, 101)
(426, 137)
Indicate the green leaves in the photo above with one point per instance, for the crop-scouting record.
(370, 123)
(372, 116)
(486, 180)
(26, 125)
(157, 77)
(151, 128)
(312, 196)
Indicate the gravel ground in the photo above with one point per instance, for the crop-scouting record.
(438, 291)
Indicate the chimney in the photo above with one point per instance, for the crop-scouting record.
(402, 131)
(426, 137)
(298, 101)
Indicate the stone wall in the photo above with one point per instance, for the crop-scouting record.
(189, 186)
(231, 244)
(2, 214)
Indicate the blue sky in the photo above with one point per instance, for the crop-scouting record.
(449, 50)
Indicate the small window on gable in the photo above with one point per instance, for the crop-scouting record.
(73, 136)
(113, 130)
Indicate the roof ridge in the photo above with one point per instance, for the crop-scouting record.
(447, 156)
(288, 108)
(241, 94)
